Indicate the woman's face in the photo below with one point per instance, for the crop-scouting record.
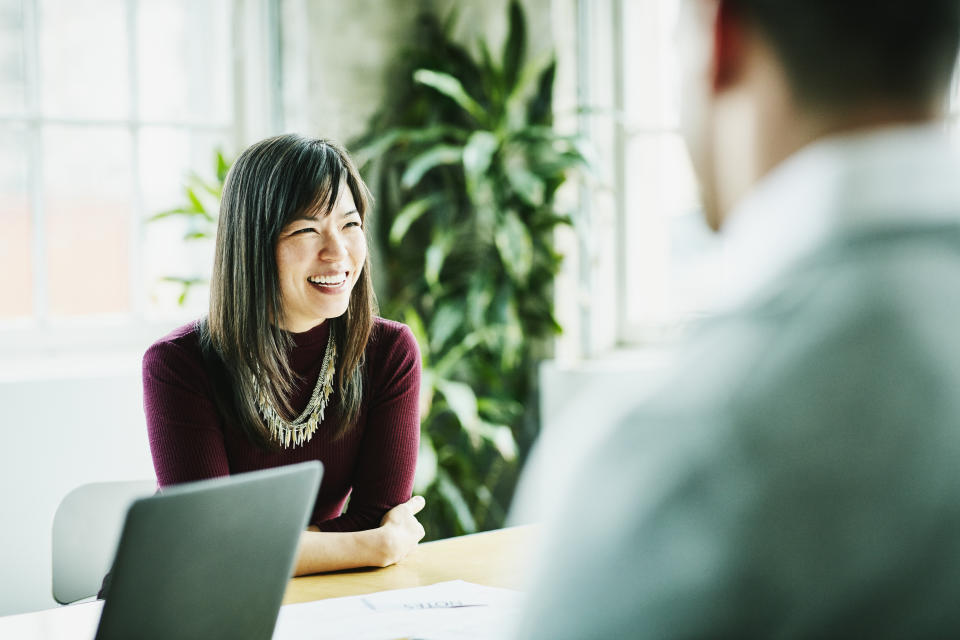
(319, 259)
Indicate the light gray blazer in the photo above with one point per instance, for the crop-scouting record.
(798, 475)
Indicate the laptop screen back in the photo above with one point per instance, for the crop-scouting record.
(209, 559)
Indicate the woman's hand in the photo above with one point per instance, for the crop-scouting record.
(400, 531)
(398, 534)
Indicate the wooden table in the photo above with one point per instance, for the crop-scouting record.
(494, 558)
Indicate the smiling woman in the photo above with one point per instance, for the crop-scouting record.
(291, 364)
(322, 252)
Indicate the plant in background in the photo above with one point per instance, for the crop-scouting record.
(200, 211)
(465, 164)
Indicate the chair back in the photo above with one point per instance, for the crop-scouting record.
(86, 528)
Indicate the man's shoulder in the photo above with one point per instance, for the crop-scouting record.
(849, 314)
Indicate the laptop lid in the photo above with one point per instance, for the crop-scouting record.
(209, 559)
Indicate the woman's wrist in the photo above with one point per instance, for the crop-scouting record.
(375, 547)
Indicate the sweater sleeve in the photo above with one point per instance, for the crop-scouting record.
(182, 422)
(387, 457)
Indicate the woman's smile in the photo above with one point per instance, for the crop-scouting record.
(319, 258)
(331, 284)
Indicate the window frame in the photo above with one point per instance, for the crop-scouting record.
(604, 237)
(255, 60)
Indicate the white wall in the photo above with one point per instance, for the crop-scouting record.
(337, 55)
(63, 423)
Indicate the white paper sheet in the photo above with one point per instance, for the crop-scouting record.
(73, 622)
(454, 610)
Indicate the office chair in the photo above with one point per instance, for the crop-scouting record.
(86, 528)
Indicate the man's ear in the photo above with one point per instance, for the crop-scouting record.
(729, 45)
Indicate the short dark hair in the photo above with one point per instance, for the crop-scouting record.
(272, 183)
(845, 52)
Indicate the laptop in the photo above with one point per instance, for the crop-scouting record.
(209, 559)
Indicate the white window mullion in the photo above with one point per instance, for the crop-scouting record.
(619, 168)
(135, 276)
(256, 71)
(584, 228)
(31, 36)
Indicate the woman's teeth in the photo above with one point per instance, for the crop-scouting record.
(330, 281)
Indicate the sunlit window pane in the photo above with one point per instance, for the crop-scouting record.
(184, 46)
(167, 157)
(649, 63)
(16, 289)
(12, 79)
(87, 185)
(83, 58)
(667, 235)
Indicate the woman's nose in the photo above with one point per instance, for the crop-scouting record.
(333, 247)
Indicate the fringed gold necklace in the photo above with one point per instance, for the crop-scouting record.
(301, 430)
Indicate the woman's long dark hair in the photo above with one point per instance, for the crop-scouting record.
(271, 184)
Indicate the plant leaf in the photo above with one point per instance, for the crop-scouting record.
(515, 106)
(183, 281)
(194, 200)
(427, 391)
(453, 356)
(223, 167)
(514, 49)
(435, 256)
(513, 336)
(412, 319)
(452, 88)
(462, 401)
(501, 437)
(381, 144)
(515, 246)
(454, 498)
(213, 189)
(478, 298)
(409, 214)
(478, 153)
(180, 211)
(426, 473)
(527, 185)
(491, 72)
(446, 321)
(435, 156)
(540, 107)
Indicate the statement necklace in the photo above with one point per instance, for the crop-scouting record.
(301, 430)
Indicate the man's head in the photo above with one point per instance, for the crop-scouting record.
(761, 78)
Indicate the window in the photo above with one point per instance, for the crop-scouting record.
(650, 255)
(662, 222)
(105, 107)
(647, 246)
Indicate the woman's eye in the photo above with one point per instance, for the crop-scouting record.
(304, 230)
(351, 224)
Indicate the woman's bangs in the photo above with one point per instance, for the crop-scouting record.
(328, 176)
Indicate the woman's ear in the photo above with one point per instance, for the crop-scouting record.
(730, 45)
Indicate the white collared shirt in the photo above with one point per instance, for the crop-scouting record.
(859, 181)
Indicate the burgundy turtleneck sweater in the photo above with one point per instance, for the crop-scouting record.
(373, 463)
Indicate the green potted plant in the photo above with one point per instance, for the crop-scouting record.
(465, 164)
